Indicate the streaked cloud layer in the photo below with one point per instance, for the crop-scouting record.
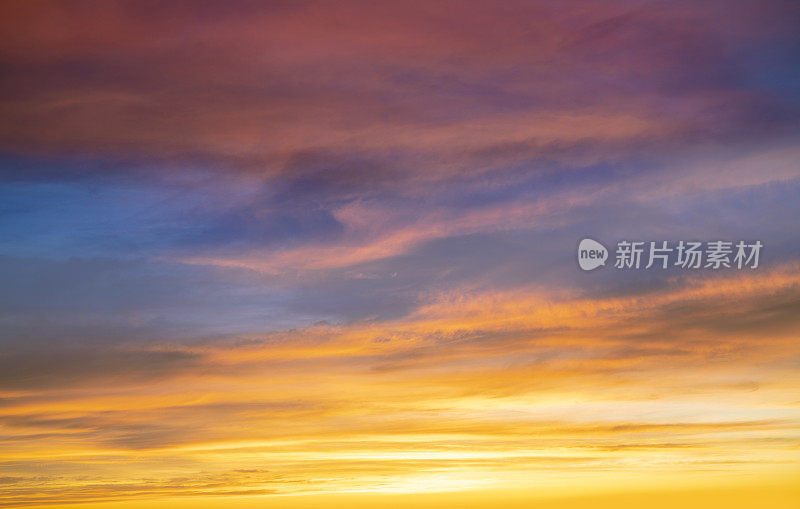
(295, 251)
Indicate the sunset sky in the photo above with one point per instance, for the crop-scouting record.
(299, 254)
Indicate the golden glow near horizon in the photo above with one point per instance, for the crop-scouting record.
(514, 393)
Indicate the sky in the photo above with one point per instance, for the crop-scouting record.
(323, 254)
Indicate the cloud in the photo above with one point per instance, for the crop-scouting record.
(273, 81)
(282, 248)
(470, 385)
(65, 367)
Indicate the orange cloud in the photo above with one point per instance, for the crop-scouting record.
(481, 390)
